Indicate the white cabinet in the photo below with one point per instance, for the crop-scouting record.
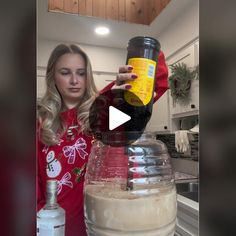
(190, 108)
(159, 121)
(41, 81)
(102, 79)
(166, 114)
(188, 56)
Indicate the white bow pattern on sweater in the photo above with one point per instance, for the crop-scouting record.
(64, 181)
(70, 151)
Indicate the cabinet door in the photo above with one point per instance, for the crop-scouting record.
(102, 79)
(191, 107)
(159, 121)
(41, 81)
(187, 56)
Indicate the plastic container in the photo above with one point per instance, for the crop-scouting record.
(130, 190)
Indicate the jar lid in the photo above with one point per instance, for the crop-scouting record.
(119, 138)
(144, 41)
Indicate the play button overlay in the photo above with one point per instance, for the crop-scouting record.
(117, 118)
(116, 122)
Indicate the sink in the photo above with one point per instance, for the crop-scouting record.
(188, 189)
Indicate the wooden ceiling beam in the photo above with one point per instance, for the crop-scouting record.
(132, 11)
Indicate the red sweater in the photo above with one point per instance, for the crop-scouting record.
(63, 162)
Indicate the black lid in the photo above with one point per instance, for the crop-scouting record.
(143, 41)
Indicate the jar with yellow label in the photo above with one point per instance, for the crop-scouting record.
(143, 57)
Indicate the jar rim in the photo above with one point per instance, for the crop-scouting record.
(121, 138)
(143, 41)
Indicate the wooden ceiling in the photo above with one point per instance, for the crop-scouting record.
(132, 11)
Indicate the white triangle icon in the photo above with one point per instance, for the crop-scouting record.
(117, 118)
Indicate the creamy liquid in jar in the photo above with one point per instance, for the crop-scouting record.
(113, 212)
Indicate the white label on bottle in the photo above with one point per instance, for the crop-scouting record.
(49, 230)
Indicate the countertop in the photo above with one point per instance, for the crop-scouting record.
(183, 177)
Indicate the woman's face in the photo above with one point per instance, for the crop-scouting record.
(70, 78)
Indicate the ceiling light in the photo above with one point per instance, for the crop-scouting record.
(102, 30)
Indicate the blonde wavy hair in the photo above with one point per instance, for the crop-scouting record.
(51, 126)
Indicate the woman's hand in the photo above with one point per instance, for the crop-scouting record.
(122, 79)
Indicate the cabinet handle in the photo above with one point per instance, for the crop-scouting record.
(165, 127)
(193, 106)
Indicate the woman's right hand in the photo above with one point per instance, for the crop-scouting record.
(123, 77)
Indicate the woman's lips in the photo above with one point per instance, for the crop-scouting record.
(74, 89)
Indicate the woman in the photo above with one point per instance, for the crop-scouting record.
(64, 139)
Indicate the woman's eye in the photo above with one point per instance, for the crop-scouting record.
(65, 72)
(81, 73)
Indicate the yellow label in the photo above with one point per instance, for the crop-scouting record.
(142, 87)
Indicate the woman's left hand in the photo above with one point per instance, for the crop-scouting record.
(123, 77)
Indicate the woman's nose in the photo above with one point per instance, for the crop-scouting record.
(74, 79)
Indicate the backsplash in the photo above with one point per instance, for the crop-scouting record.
(194, 145)
(169, 140)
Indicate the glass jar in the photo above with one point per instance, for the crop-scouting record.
(130, 190)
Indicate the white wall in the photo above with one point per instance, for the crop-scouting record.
(103, 59)
(182, 31)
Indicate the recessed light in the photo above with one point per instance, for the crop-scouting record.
(102, 30)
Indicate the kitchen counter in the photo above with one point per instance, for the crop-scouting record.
(183, 177)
